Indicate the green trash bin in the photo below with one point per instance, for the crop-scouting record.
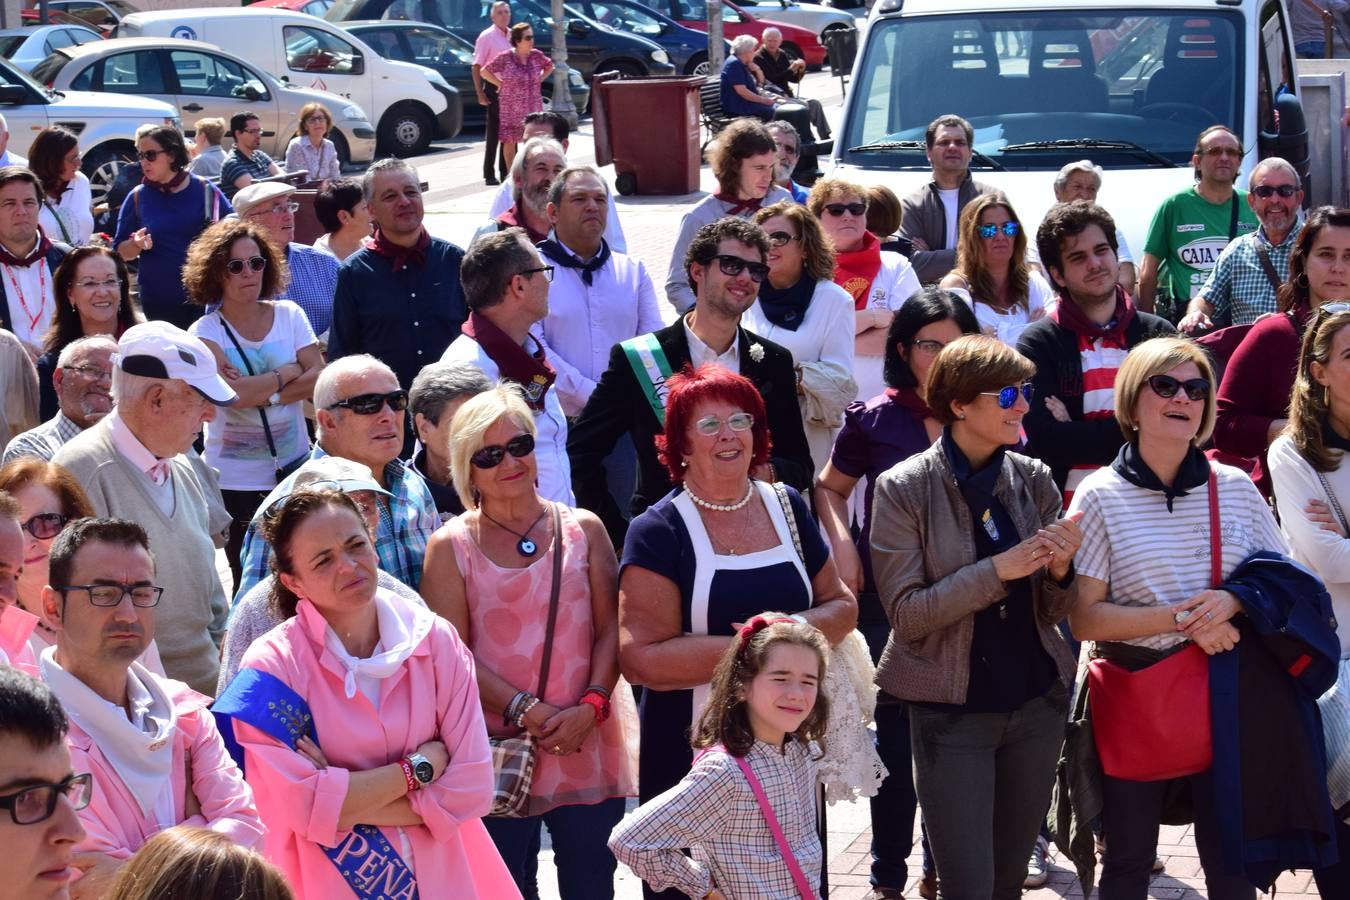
(649, 129)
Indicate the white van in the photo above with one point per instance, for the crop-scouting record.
(1128, 84)
(409, 104)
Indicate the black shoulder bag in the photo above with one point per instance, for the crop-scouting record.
(281, 471)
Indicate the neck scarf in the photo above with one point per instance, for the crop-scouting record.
(1067, 314)
(169, 186)
(399, 255)
(909, 400)
(555, 251)
(740, 208)
(512, 217)
(855, 270)
(1194, 472)
(787, 307)
(977, 489)
(40, 250)
(530, 370)
(403, 627)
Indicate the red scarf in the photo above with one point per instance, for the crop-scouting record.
(530, 370)
(740, 208)
(1068, 315)
(399, 255)
(855, 270)
(167, 187)
(909, 400)
(512, 219)
(44, 246)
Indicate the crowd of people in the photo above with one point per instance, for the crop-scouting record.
(905, 483)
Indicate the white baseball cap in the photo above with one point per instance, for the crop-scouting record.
(162, 350)
(259, 192)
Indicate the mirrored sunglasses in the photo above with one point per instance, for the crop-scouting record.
(1007, 398)
(1009, 229)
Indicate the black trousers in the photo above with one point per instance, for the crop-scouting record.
(492, 152)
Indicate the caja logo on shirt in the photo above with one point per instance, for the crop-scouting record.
(1202, 253)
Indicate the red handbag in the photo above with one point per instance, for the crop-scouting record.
(1153, 724)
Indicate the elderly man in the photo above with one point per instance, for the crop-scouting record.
(493, 40)
(1244, 281)
(506, 285)
(150, 743)
(245, 163)
(360, 412)
(741, 94)
(1082, 180)
(271, 205)
(83, 381)
(929, 215)
(398, 299)
(778, 71)
(532, 173)
(29, 258)
(789, 145)
(438, 391)
(138, 464)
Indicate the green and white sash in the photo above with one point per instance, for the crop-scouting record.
(652, 369)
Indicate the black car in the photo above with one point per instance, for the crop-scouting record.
(687, 48)
(591, 47)
(447, 53)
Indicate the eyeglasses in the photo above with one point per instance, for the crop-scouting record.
(255, 263)
(1266, 191)
(93, 373)
(107, 284)
(1214, 152)
(781, 238)
(252, 131)
(370, 404)
(109, 595)
(734, 265)
(149, 155)
(1009, 229)
(711, 425)
(1007, 398)
(528, 37)
(547, 270)
(37, 802)
(491, 456)
(928, 346)
(290, 206)
(838, 209)
(44, 526)
(1166, 387)
(316, 118)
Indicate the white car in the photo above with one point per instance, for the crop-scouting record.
(26, 47)
(814, 16)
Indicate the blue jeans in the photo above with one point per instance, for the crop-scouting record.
(579, 834)
(1310, 49)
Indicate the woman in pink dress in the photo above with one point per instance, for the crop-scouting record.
(359, 725)
(517, 73)
(491, 572)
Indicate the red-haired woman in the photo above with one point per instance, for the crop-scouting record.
(706, 558)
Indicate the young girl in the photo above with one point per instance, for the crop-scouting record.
(755, 735)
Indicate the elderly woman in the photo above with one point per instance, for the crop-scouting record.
(311, 150)
(991, 271)
(879, 281)
(972, 564)
(207, 154)
(742, 157)
(530, 587)
(743, 91)
(801, 309)
(437, 393)
(377, 774)
(341, 209)
(1144, 578)
(1254, 395)
(518, 74)
(67, 213)
(268, 353)
(714, 552)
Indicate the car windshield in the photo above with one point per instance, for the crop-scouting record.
(1040, 90)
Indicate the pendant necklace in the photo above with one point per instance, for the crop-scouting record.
(524, 546)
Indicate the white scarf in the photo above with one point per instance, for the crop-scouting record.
(403, 626)
(143, 759)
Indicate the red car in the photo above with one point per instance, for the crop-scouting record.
(798, 42)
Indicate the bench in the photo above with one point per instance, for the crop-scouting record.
(710, 107)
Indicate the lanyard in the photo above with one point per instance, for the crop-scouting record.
(33, 318)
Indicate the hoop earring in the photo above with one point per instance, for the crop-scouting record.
(1301, 280)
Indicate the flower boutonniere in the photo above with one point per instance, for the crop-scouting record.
(757, 352)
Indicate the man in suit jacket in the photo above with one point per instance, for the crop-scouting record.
(725, 265)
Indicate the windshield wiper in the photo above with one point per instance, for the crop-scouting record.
(1093, 144)
(884, 146)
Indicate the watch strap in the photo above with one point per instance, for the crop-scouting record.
(408, 777)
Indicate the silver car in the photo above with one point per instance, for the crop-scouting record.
(26, 47)
(813, 16)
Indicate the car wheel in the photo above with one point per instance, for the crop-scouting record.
(697, 65)
(406, 131)
(344, 153)
(792, 50)
(101, 167)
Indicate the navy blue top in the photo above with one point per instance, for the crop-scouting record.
(735, 72)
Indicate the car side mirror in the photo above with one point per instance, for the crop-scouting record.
(578, 27)
(13, 93)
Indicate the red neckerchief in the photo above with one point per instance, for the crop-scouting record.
(530, 370)
(855, 270)
(169, 186)
(44, 245)
(513, 219)
(909, 400)
(1067, 314)
(399, 255)
(739, 207)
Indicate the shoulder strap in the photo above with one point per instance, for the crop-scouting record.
(1333, 502)
(784, 501)
(651, 368)
(243, 357)
(136, 203)
(1267, 266)
(60, 223)
(1233, 218)
(770, 819)
(1215, 532)
(552, 601)
(211, 206)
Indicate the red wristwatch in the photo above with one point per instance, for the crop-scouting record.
(408, 777)
(598, 702)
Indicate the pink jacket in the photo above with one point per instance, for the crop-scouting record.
(113, 820)
(15, 627)
(433, 695)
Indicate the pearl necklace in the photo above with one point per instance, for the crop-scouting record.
(723, 507)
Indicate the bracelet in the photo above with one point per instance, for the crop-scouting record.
(598, 689)
(519, 720)
(599, 704)
(509, 715)
(408, 778)
(280, 384)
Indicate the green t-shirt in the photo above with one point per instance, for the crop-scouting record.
(1188, 233)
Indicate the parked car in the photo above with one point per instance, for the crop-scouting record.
(308, 7)
(103, 16)
(200, 79)
(812, 16)
(26, 47)
(408, 104)
(447, 53)
(686, 47)
(798, 42)
(591, 47)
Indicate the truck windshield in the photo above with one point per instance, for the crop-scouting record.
(1042, 89)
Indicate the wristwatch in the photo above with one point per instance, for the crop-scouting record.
(422, 770)
(275, 399)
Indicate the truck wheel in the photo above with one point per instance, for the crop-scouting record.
(406, 131)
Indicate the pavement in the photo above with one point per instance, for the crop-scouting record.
(456, 205)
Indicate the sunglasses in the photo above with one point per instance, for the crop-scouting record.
(1009, 229)
(255, 264)
(734, 265)
(370, 404)
(1007, 398)
(838, 209)
(45, 526)
(149, 155)
(1166, 387)
(1331, 309)
(711, 425)
(781, 238)
(1266, 191)
(491, 456)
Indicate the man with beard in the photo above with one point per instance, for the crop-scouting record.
(532, 174)
(83, 382)
(789, 145)
(1243, 283)
(1080, 344)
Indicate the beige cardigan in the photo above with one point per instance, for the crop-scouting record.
(19, 387)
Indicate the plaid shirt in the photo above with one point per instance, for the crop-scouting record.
(713, 814)
(407, 521)
(1237, 286)
(42, 441)
(313, 281)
